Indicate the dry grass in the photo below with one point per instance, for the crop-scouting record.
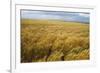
(49, 40)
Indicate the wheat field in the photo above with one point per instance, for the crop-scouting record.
(52, 40)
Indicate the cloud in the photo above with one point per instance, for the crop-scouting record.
(84, 14)
(60, 15)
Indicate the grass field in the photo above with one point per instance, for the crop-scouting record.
(52, 40)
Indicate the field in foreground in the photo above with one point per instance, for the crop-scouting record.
(49, 40)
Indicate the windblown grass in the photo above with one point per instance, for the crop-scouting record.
(49, 40)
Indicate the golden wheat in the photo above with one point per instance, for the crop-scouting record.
(49, 40)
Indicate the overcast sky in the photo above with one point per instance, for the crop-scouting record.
(53, 15)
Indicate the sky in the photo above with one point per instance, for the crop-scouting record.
(56, 15)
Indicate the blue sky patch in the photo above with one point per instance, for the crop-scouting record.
(56, 15)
